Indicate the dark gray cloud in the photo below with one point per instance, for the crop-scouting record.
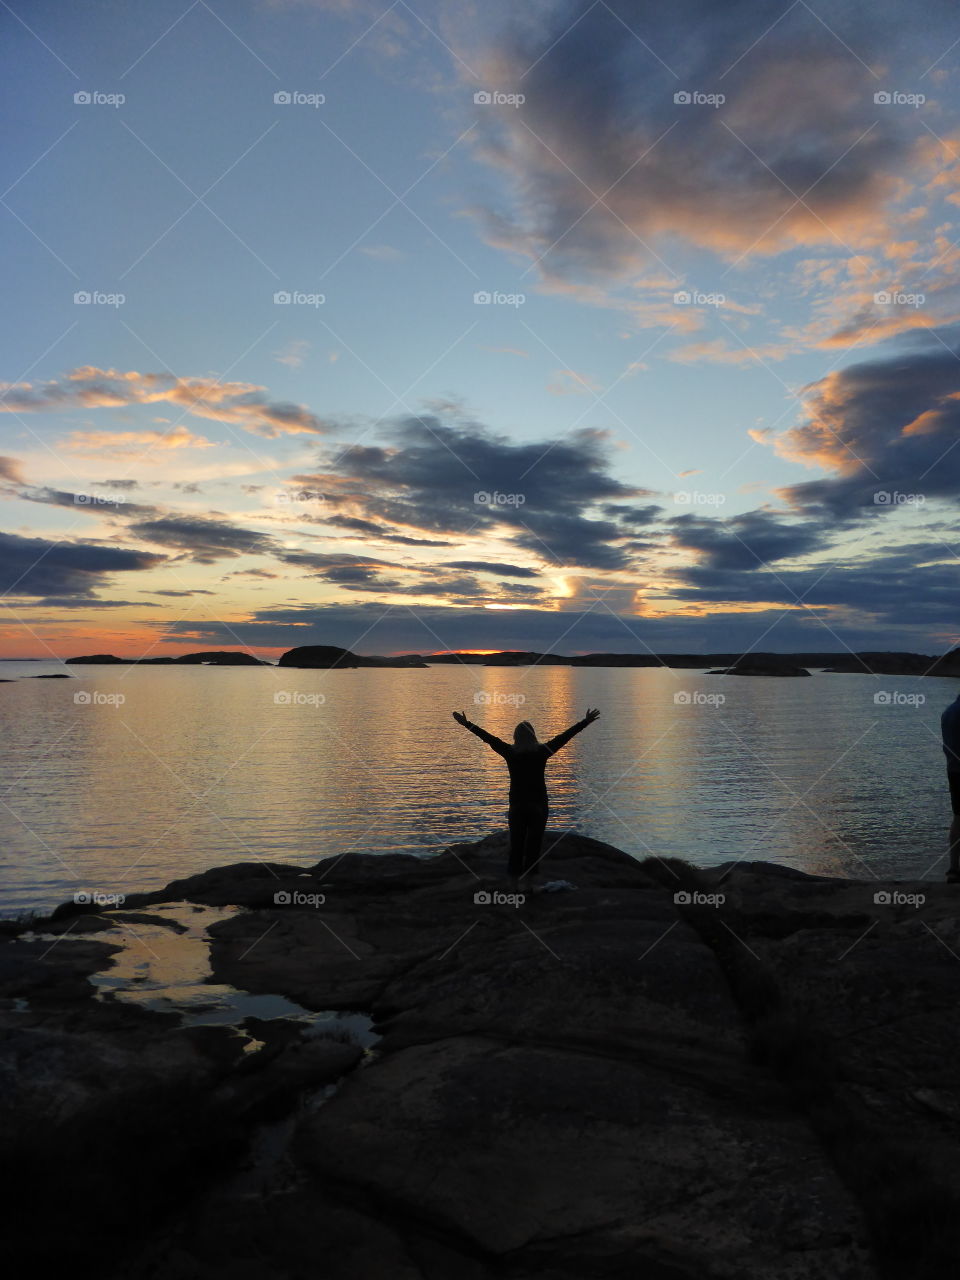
(631, 515)
(80, 602)
(372, 529)
(62, 570)
(95, 501)
(745, 542)
(464, 479)
(323, 561)
(197, 592)
(894, 591)
(491, 566)
(562, 539)
(203, 540)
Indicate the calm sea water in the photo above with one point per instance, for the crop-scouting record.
(122, 779)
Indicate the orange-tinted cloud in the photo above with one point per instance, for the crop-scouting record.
(120, 442)
(239, 403)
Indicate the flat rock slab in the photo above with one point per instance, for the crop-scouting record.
(563, 1087)
(511, 1147)
(618, 1080)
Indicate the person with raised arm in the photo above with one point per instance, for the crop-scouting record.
(526, 759)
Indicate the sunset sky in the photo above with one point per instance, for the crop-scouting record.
(426, 326)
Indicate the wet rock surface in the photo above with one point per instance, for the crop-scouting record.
(660, 1072)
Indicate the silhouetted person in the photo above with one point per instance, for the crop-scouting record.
(950, 729)
(526, 759)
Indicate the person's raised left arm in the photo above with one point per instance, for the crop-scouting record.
(562, 739)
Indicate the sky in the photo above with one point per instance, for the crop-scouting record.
(602, 325)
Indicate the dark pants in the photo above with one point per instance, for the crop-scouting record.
(953, 782)
(527, 825)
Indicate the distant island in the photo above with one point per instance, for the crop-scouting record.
(761, 665)
(215, 658)
(328, 657)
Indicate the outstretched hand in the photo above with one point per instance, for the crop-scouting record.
(591, 715)
(460, 718)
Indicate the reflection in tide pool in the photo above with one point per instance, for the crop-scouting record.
(163, 964)
(196, 767)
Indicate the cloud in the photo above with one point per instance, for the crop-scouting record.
(124, 443)
(886, 591)
(382, 252)
(489, 566)
(67, 570)
(293, 353)
(632, 515)
(745, 542)
(91, 502)
(373, 529)
(203, 540)
(73, 602)
(883, 427)
(507, 351)
(10, 469)
(463, 479)
(603, 168)
(238, 403)
(196, 592)
(341, 568)
(720, 351)
(567, 382)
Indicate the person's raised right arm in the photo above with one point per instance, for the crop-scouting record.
(490, 739)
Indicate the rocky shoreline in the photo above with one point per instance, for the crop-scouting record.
(665, 1072)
